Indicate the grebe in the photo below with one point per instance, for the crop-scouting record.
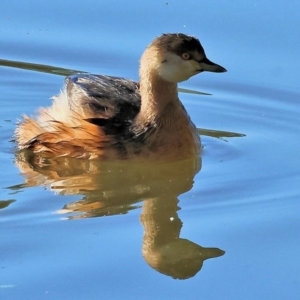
(97, 116)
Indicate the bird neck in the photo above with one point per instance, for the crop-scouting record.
(156, 95)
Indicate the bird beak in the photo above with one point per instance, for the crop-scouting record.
(209, 66)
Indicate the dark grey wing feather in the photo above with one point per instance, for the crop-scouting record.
(110, 102)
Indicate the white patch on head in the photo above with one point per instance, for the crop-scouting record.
(175, 69)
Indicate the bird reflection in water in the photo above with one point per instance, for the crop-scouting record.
(111, 188)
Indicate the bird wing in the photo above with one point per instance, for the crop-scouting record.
(107, 101)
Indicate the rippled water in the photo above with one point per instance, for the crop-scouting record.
(86, 230)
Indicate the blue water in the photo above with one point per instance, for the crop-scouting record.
(59, 243)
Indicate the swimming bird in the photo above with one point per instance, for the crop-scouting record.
(97, 116)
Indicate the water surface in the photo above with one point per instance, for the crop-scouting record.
(85, 230)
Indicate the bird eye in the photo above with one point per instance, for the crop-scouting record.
(185, 56)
